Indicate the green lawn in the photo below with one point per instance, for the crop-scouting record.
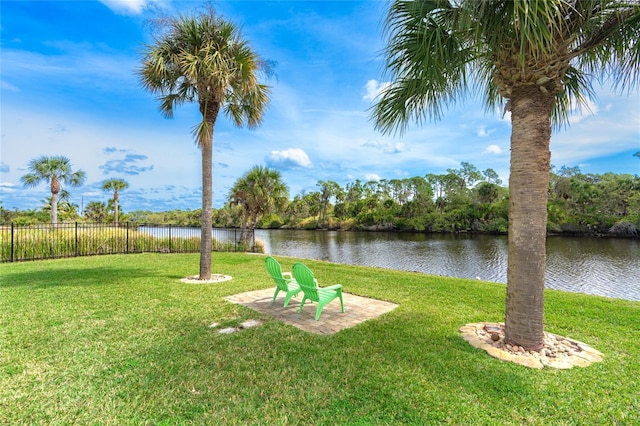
(119, 340)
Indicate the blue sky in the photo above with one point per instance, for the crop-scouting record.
(68, 87)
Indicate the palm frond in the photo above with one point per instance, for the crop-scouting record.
(578, 91)
(204, 59)
(426, 58)
(203, 133)
(439, 51)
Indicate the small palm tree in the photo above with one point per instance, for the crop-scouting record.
(258, 192)
(53, 170)
(96, 211)
(115, 185)
(204, 59)
(540, 57)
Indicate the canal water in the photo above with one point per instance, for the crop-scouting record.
(600, 266)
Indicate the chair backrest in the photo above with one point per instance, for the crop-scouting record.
(274, 269)
(306, 281)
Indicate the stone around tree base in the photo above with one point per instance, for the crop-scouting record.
(558, 352)
(215, 278)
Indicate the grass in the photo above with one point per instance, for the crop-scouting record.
(119, 340)
(43, 242)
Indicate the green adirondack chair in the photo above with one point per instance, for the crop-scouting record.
(284, 280)
(309, 285)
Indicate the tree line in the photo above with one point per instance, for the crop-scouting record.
(460, 200)
(465, 199)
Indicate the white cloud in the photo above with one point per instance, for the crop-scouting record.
(7, 86)
(483, 132)
(287, 159)
(371, 177)
(387, 148)
(7, 187)
(126, 7)
(373, 88)
(580, 112)
(493, 149)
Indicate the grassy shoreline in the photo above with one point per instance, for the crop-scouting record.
(120, 340)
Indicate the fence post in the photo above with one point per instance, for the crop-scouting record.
(127, 239)
(169, 238)
(76, 241)
(12, 241)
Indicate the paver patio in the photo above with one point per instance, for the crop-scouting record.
(357, 309)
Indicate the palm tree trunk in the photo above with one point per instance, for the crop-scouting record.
(528, 188)
(206, 243)
(55, 189)
(115, 208)
(244, 225)
(54, 208)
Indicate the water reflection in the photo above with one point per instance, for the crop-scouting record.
(601, 266)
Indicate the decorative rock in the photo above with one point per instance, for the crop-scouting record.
(558, 351)
(250, 323)
(215, 278)
(229, 330)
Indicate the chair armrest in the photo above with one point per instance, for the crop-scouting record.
(333, 287)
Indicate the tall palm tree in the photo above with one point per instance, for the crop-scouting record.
(258, 192)
(54, 170)
(115, 185)
(540, 57)
(204, 59)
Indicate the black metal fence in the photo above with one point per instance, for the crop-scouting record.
(47, 241)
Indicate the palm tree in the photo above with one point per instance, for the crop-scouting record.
(96, 211)
(53, 170)
(66, 209)
(541, 57)
(115, 185)
(258, 192)
(204, 59)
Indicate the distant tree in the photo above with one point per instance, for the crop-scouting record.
(540, 57)
(486, 192)
(66, 209)
(204, 59)
(96, 211)
(491, 176)
(258, 192)
(328, 189)
(468, 172)
(114, 185)
(297, 209)
(55, 171)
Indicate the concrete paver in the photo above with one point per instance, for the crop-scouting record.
(357, 309)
